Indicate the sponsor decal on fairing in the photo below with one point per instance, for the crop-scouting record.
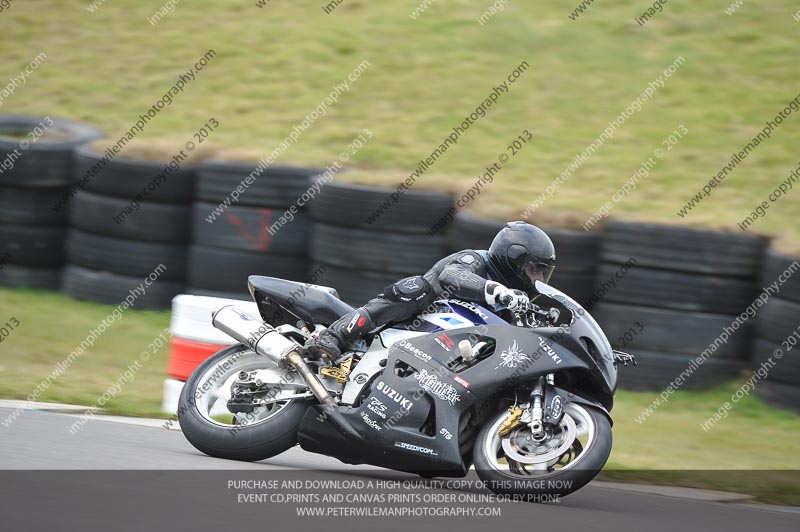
(377, 406)
(431, 383)
(370, 422)
(511, 357)
(445, 341)
(420, 354)
(416, 448)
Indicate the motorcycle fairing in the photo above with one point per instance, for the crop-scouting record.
(409, 420)
(425, 400)
(519, 355)
(584, 327)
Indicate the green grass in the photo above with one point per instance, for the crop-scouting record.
(274, 65)
(753, 436)
(669, 447)
(52, 326)
(754, 450)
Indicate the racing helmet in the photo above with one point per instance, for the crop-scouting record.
(522, 254)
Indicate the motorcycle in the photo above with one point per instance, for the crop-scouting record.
(526, 402)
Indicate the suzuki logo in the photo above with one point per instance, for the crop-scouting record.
(395, 396)
(550, 352)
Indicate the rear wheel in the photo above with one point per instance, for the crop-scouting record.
(209, 426)
(566, 459)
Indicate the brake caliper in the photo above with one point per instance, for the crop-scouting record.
(511, 422)
(243, 393)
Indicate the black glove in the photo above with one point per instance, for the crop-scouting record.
(324, 345)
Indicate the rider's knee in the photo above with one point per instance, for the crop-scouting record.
(413, 291)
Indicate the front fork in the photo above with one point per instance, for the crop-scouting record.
(544, 407)
(536, 422)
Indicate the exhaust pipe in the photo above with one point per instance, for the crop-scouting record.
(266, 341)
(254, 333)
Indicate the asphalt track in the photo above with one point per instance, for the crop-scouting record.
(120, 477)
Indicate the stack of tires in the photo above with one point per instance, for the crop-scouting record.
(194, 339)
(246, 222)
(128, 227)
(363, 241)
(777, 334)
(576, 252)
(669, 293)
(36, 171)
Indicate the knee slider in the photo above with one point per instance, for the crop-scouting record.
(410, 289)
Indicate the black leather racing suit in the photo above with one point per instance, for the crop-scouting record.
(462, 275)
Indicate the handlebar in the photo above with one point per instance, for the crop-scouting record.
(532, 310)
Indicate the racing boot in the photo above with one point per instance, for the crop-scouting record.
(346, 329)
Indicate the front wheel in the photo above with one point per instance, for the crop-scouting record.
(566, 459)
(208, 425)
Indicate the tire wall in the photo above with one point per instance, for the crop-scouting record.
(362, 249)
(775, 350)
(682, 290)
(247, 220)
(663, 293)
(35, 172)
(128, 225)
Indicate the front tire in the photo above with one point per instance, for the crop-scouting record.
(543, 469)
(270, 435)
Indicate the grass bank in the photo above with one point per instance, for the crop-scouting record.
(274, 65)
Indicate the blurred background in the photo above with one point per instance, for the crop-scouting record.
(369, 92)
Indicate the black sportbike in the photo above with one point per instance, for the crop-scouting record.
(525, 401)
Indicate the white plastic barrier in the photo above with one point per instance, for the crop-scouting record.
(193, 334)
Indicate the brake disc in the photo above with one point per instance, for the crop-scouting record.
(513, 447)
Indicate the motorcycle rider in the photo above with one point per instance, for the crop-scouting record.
(502, 276)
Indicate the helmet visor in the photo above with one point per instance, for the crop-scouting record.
(538, 271)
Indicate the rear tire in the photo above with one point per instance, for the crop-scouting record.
(246, 443)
